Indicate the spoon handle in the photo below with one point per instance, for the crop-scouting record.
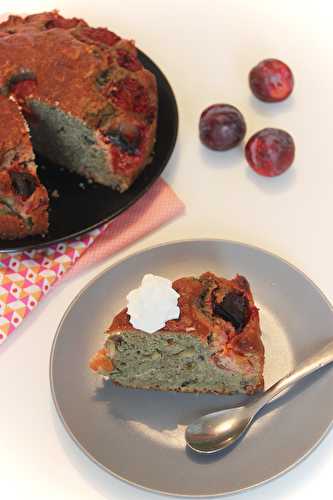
(306, 367)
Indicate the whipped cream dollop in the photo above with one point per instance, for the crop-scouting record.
(152, 304)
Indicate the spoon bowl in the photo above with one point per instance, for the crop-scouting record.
(218, 430)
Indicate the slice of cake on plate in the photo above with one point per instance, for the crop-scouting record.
(213, 344)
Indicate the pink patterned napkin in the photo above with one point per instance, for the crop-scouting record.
(26, 277)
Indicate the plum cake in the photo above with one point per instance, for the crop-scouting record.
(89, 105)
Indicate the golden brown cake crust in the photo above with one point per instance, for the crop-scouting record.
(65, 62)
(199, 323)
(23, 200)
(14, 134)
(12, 227)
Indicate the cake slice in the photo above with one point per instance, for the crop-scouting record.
(23, 199)
(214, 346)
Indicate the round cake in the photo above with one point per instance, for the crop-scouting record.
(77, 95)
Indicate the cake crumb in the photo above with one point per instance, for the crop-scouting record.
(82, 185)
(55, 193)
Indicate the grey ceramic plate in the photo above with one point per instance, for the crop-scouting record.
(139, 435)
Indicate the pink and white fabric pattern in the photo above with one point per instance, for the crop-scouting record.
(26, 277)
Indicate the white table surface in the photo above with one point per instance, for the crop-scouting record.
(206, 49)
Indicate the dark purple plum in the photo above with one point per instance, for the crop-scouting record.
(221, 127)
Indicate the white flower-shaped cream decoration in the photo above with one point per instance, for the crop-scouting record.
(152, 304)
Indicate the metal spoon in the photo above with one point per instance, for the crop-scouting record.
(218, 430)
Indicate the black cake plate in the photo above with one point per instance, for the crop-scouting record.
(81, 206)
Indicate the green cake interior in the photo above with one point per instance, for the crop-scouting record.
(69, 142)
(170, 361)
